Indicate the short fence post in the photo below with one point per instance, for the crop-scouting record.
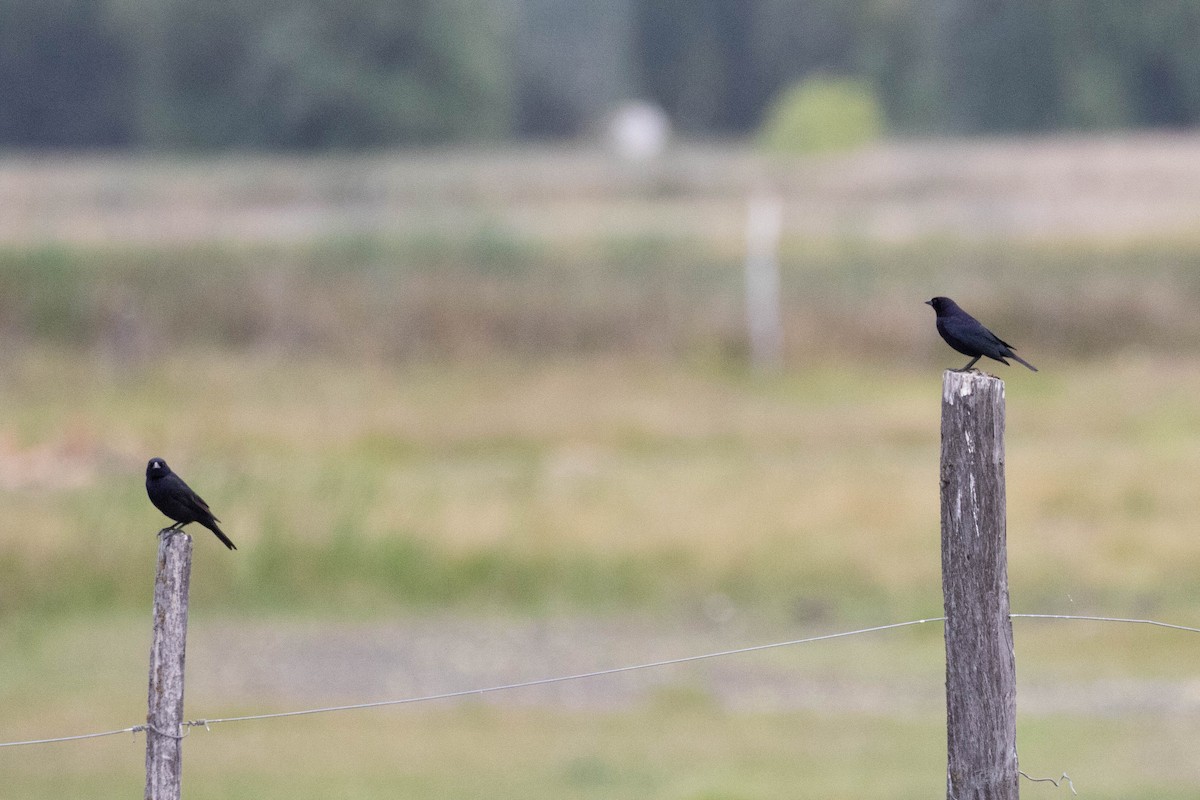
(981, 704)
(164, 720)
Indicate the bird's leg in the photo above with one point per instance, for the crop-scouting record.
(970, 363)
(171, 530)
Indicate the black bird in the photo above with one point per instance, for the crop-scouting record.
(176, 499)
(968, 336)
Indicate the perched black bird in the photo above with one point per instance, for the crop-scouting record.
(966, 335)
(176, 499)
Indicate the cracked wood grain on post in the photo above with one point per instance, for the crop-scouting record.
(980, 661)
(164, 718)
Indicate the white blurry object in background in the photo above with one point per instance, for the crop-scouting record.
(638, 131)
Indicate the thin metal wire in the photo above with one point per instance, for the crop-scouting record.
(183, 732)
(1109, 619)
(563, 678)
(206, 723)
(132, 729)
(1064, 778)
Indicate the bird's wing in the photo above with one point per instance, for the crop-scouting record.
(185, 495)
(967, 326)
(996, 338)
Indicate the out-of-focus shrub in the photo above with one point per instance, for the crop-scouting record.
(820, 115)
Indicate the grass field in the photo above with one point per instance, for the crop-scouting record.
(588, 484)
(522, 440)
(689, 754)
(861, 718)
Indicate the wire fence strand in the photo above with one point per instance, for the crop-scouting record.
(564, 678)
(77, 737)
(1083, 618)
(1058, 782)
(208, 722)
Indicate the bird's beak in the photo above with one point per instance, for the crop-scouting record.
(928, 302)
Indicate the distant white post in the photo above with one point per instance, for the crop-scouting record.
(764, 320)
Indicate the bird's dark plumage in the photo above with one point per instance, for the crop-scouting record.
(968, 336)
(176, 499)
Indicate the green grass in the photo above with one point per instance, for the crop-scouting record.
(655, 753)
(652, 753)
(586, 484)
(675, 744)
(676, 741)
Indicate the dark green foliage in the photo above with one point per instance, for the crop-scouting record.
(978, 66)
(998, 67)
(65, 75)
(572, 62)
(319, 74)
(715, 64)
(222, 73)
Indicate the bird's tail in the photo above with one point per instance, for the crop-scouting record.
(225, 539)
(1023, 361)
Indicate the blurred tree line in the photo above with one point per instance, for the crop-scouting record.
(360, 73)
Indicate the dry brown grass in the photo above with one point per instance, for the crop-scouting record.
(1063, 188)
(1085, 246)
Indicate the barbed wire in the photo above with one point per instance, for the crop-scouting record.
(208, 722)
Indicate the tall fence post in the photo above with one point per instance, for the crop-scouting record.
(981, 669)
(164, 719)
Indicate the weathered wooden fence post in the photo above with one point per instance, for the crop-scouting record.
(981, 669)
(164, 745)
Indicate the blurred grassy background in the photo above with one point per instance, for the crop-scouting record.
(511, 386)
